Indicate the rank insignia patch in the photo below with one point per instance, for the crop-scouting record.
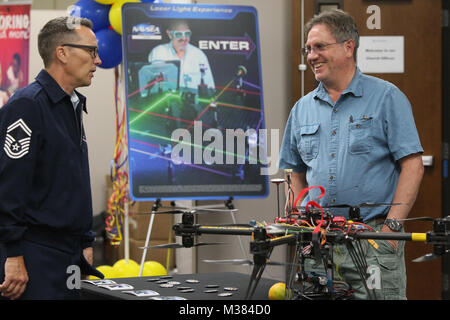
(17, 142)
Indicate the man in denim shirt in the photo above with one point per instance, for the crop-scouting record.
(355, 136)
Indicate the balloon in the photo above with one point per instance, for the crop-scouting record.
(153, 268)
(97, 13)
(149, 1)
(127, 271)
(124, 269)
(107, 271)
(115, 14)
(122, 262)
(109, 48)
(105, 1)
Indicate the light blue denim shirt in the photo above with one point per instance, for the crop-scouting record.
(351, 148)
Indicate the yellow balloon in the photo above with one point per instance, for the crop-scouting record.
(115, 14)
(123, 269)
(107, 271)
(123, 262)
(277, 291)
(105, 1)
(153, 268)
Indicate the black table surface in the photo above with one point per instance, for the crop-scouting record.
(224, 281)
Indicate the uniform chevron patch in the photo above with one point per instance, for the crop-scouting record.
(17, 141)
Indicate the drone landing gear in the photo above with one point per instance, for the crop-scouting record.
(357, 255)
(261, 253)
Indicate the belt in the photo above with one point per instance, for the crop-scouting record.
(377, 220)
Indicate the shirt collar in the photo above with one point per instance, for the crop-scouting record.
(54, 90)
(355, 88)
(174, 53)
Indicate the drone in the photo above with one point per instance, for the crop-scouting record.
(310, 233)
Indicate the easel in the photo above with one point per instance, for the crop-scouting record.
(155, 207)
(228, 205)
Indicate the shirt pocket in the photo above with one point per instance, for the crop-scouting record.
(309, 142)
(360, 136)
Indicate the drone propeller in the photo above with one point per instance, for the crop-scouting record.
(361, 205)
(247, 262)
(180, 246)
(276, 228)
(429, 257)
(418, 219)
(241, 225)
(195, 211)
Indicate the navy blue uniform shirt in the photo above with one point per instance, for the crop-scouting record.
(44, 171)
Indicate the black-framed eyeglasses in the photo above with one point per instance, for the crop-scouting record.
(320, 47)
(179, 34)
(93, 50)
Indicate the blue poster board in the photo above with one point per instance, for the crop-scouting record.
(194, 102)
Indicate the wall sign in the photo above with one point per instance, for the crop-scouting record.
(381, 54)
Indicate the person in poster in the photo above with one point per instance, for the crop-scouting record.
(14, 41)
(194, 67)
(14, 74)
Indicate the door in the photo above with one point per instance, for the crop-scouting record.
(419, 21)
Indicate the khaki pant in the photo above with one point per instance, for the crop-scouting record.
(385, 266)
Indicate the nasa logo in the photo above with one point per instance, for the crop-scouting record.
(145, 31)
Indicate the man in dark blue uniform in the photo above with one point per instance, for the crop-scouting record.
(45, 193)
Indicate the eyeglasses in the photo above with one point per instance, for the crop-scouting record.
(93, 50)
(180, 34)
(318, 48)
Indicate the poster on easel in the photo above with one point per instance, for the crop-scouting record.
(194, 96)
(14, 44)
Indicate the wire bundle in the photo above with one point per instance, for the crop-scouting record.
(119, 173)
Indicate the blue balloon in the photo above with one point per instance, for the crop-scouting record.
(149, 1)
(94, 11)
(109, 48)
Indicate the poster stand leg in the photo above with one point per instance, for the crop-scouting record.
(126, 233)
(228, 205)
(155, 207)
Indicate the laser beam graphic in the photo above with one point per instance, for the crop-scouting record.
(153, 105)
(186, 164)
(190, 144)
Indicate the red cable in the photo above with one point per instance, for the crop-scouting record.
(313, 204)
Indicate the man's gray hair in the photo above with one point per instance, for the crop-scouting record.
(57, 31)
(340, 23)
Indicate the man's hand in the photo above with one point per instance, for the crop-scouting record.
(16, 278)
(393, 243)
(89, 255)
